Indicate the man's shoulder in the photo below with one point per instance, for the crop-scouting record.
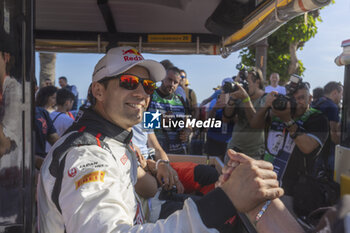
(78, 143)
(325, 102)
(315, 116)
(174, 100)
(41, 111)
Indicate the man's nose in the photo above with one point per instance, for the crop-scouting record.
(140, 92)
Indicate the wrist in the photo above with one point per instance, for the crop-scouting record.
(261, 212)
(161, 161)
(246, 99)
(294, 132)
(288, 123)
(151, 167)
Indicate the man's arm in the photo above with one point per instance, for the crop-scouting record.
(306, 139)
(335, 131)
(165, 173)
(275, 219)
(304, 142)
(220, 103)
(207, 100)
(228, 111)
(153, 142)
(103, 205)
(259, 119)
(146, 185)
(242, 95)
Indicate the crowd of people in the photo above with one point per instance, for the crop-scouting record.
(106, 172)
(101, 170)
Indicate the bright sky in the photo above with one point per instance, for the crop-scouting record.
(205, 72)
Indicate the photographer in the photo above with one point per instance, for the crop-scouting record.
(296, 134)
(245, 98)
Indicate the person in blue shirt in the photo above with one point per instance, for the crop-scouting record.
(217, 138)
(329, 105)
(64, 84)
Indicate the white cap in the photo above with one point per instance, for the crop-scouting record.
(120, 59)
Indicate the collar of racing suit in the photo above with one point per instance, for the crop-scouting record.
(90, 119)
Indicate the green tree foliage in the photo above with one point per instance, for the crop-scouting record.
(283, 45)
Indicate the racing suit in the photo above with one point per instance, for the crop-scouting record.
(87, 183)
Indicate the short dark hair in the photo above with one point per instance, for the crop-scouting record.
(331, 86)
(304, 85)
(182, 71)
(63, 95)
(317, 93)
(62, 77)
(257, 75)
(43, 95)
(166, 64)
(174, 69)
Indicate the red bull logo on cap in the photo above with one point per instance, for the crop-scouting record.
(131, 51)
(128, 55)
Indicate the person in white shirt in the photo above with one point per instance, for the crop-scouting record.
(274, 79)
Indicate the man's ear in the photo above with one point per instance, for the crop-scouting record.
(98, 91)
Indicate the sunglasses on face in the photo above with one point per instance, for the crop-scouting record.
(131, 82)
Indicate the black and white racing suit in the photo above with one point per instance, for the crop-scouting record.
(86, 184)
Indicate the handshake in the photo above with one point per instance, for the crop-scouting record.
(248, 182)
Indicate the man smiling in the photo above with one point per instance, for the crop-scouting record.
(87, 180)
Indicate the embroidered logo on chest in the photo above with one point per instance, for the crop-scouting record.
(72, 172)
(124, 159)
(96, 176)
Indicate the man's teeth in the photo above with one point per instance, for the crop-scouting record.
(136, 105)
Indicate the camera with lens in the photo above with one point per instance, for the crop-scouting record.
(294, 83)
(243, 71)
(243, 75)
(281, 101)
(232, 87)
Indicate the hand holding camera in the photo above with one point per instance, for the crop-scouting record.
(270, 97)
(240, 93)
(284, 114)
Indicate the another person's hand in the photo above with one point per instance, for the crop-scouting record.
(270, 97)
(179, 187)
(240, 93)
(140, 158)
(165, 176)
(249, 183)
(284, 115)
